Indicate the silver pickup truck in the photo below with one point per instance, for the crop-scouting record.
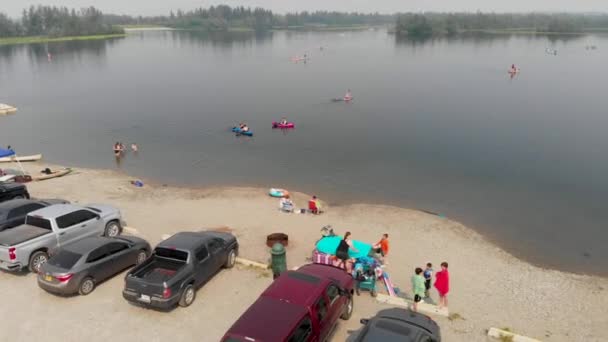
(29, 245)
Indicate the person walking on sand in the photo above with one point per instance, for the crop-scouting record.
(428, 275)
(381, 247)
(417, 287)
(442, 284)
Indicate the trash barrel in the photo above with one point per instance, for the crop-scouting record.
(279, 260)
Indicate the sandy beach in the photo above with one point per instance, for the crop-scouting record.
(489, 288)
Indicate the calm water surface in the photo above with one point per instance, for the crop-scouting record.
(436, 125)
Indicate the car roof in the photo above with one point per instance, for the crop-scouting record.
(186, 240)
(8, 205)
(57, 210)
(88, 244)
(267, 319)
(399, 325)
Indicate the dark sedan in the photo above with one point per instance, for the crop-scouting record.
(399, 325)
(13, 212)
(79, 267)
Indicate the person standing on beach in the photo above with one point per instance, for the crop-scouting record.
(417, 287)
(442, 284)
(428, 275)
(342, 251)
(381, 247)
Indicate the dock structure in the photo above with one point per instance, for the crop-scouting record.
(6, 109)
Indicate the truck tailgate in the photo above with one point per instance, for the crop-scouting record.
(149, 277)
(17, 235)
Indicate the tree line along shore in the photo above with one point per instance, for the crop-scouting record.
(39, 24)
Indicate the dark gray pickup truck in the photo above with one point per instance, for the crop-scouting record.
(178, 267)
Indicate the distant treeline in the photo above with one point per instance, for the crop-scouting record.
(222, 17)
(453, 23)
(56, 22)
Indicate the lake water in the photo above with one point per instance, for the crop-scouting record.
(437, 125)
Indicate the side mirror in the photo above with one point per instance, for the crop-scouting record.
(98, 217)
(364, 321)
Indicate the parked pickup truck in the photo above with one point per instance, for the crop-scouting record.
(178, 267)
(9, 191)
(29, 245)
(302, 305)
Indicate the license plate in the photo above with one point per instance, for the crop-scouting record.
(48, 278)
(144, 298)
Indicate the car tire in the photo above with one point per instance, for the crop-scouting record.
(87, 285)
(113, 229)
(348, 309)
(188, 296)
(231, 259)
(37, 260)
(141, 257)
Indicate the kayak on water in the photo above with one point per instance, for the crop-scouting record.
(279, 193)
(238, 131)
(281, 125)
(342, 99)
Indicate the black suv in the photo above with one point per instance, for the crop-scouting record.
(399, 325)
(9, 191)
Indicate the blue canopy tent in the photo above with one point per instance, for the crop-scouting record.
(7, 152)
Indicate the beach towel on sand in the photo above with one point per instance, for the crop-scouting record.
(329, 244)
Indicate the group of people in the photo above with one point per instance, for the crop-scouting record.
(119, 148)
(421, 280)
(421, 284)
(287, 205)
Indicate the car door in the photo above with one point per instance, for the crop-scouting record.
(335, 304)
(303, 332)
(75, 226)
(203, 268)
(120, 252)
(99, 263)
(321, 310)
(217, 250)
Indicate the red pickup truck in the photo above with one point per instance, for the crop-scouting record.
(299, 306)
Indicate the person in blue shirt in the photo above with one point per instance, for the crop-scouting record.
(428, 275)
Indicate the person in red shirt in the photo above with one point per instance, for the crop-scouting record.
(382, 247)
(442, 284)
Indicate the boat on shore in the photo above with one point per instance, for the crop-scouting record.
(6, 109)
(53, 174)
(33, 157)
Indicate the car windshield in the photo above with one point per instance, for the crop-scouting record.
(65, 259)
(38, 221)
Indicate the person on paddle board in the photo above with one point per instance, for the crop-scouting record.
(244, 127)
(284, 121)
(348, 96)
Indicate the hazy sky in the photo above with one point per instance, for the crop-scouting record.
(155, 7)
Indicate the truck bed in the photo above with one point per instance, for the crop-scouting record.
(158, 270)
(17, 235)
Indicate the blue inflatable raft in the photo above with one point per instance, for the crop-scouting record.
(238, 131)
